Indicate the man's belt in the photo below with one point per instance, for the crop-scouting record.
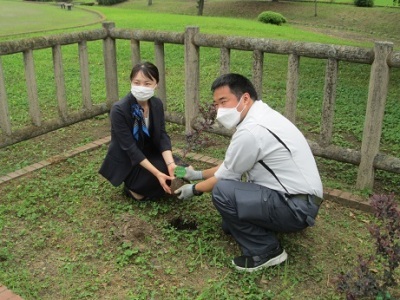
(313, 198)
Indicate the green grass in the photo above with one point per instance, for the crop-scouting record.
(66, 233)
(38, 17)
(352, 86)
(375, 23)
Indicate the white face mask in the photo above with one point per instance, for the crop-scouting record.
(229, 117)
(142, 93)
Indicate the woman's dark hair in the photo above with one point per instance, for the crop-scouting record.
(149, 70)
(238, 84)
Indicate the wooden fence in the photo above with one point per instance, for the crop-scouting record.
(381, 58)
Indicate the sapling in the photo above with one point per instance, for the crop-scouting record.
(365, 280)
(195, 139)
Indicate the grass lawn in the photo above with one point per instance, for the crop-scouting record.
(39, 17)
(346, 22)
(66, 233)
(351, 93)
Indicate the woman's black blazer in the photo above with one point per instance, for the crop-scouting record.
(123, 152)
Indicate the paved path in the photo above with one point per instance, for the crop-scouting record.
(6, 294)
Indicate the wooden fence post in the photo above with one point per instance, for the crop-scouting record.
(225, 61)
(258, 64)
(192, 78)
(292, 86)
(378, 88)
(5, 122)
(160, 63)
(328, 106)
(110, 65)
(135, 48)
(34, 108)
(60, 82)
(85, 77)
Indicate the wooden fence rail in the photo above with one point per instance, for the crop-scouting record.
(381, 58)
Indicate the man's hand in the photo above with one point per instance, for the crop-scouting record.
(192, 174)
(185, 191)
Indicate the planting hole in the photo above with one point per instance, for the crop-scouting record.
(181, 224)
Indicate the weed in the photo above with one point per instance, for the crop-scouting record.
(5, 254)
(126, 254)
(135, 251)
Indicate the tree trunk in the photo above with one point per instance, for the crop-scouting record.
(315, 8)
(200, 7)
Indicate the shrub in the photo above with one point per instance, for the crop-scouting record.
(109, 2)
(271, 17)
(364, 3)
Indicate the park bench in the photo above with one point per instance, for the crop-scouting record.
(65, 5)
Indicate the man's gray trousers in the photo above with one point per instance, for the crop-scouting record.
(254, 213)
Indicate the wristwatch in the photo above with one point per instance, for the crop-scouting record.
(196, 192)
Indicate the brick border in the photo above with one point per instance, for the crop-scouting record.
(6, 294)
(54, 159)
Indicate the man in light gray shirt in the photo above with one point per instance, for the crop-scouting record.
(283, 189)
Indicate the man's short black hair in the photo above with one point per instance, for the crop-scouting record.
(238, 84)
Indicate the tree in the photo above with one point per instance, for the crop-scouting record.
(200, 7)
(315, 8)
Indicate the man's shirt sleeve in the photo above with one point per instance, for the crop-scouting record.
(240, 156)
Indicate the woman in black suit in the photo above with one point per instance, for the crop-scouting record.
(140, 153)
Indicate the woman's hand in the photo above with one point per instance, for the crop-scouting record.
(162, 178)
(171, 169)
(169, 161)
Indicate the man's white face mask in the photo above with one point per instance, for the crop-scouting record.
(229, 117)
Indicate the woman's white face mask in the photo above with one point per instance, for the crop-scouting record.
(142, 93)
(229, 117)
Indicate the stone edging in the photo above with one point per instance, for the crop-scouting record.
(341, 197)
(6, 294)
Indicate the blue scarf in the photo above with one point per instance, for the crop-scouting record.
(139, 124)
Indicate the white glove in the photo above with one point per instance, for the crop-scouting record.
(185, 191)
(192, 174)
